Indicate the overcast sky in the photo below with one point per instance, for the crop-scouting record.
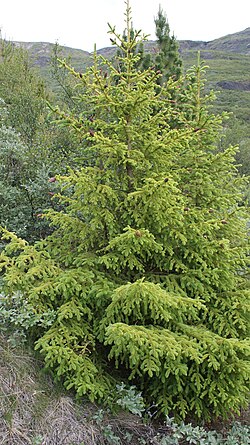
(81, 23)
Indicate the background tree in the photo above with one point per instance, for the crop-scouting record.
(24, 187)
(23, 92)
(26, 97)
(145, 270)
(167, 60)
(165, 57)
(32, 148)
(27, 160)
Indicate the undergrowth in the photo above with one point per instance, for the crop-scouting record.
(35, 411)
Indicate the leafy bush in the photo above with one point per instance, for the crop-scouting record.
(186, 433)
(24, 185)
(130, 399)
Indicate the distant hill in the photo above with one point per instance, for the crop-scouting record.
(40, 52)
(238, 42)
(228, 59)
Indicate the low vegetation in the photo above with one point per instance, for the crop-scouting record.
(35, 411)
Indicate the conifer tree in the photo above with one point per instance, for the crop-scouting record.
(146, 269)
(144, 59)
(167, 59)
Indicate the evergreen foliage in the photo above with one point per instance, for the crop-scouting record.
(146, 268)
(167, 60)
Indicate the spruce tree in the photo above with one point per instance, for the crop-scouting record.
(167, 60)
(145, 274)
(143, 61)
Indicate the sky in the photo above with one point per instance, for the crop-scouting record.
(83, 23)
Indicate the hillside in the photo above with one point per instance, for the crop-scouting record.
(228, 66)
(237, 43)
(227, 58)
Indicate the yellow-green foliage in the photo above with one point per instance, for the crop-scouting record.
(146, 268)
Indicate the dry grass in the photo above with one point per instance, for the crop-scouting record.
(31, 408)
(33, 411)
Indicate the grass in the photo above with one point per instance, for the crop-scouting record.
(36, 411)
(32, 407)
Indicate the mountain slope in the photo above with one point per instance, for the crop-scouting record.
(227, 58)
(239, 43)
